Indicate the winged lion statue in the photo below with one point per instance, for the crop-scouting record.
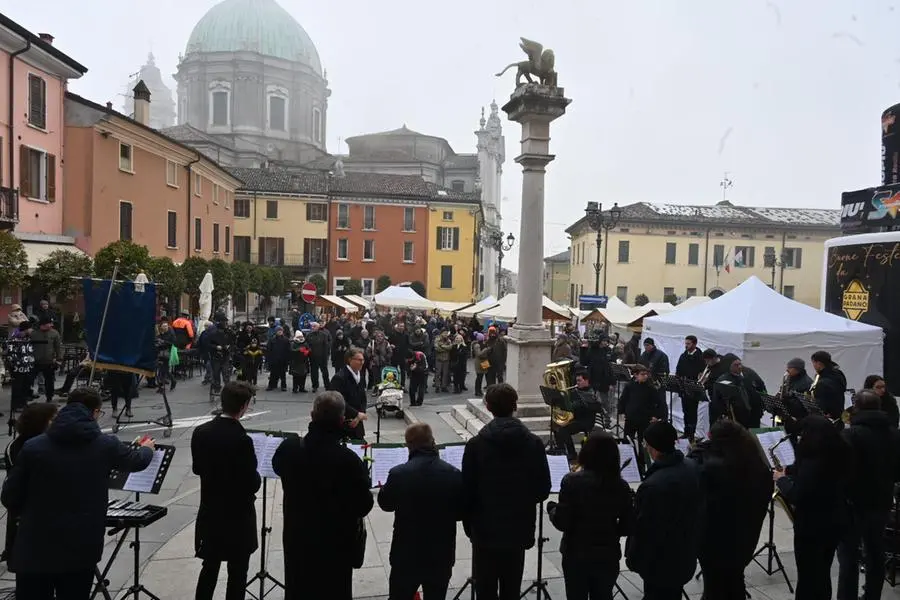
(540, 64)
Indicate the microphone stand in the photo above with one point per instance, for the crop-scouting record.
(539, 585)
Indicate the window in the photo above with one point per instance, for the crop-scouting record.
(624, 249)
(198, 234)
(339, 283)
(315, 252)
(271, 209)
(37, 174)
(458, 186)
(408, 252)
(317, 125)
(691, 292)
(277, 113)
(126, 213)
(368, 287)
(409, 219)
(744, 256)
(317, 212)
(343, 249)
(215, 193)
(446, 277)
(448, 238)
(622, 293)
(242, 208)
(343, 216)
(215, 237)
(37, 102)
(448, 215)
(220, 109)
(368, 217)
(198, 184)
(670, 253)
(369, 250)
(227, 239)
(271, 251)
(693, 254)
(718, 255)
(172, 230)
(793, 258)
(126, 158)
(242, 248)
(171, 174)
(227, 195)
(668, 292)
(789, 291)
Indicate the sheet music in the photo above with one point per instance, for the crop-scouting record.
(358, 450)
(630, 474)
(683, 445)
(559, 466)
(265, 446)
(385, 459)
(142, 481)
(784, 452)
(702, 430)
(453, 455)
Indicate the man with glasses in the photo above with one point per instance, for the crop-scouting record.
(349, 383)
(59, 489)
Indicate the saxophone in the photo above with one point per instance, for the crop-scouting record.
(557, 376)
(776, 496)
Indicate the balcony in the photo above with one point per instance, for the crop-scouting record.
(9, 208)
(295, 261)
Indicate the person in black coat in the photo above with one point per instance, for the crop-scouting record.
(598, 364)
(736, 395)
(585, 406)
(875, 447)
(224, 458)
(505, 475)
(669, 512)
(594, 511)
(889, 406)
(828, 386)
(326, 498)
(816, 487)
(278, 357)
(690, 366)
(399, 340)
(319, 341)
(640, 403)
(349, 383)
(59, 487)
(737, 488)
(425, 495)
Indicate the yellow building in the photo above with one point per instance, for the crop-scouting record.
(673, 251)
(556, 277)
(453, 251)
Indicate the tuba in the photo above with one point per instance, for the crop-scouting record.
(557, 376)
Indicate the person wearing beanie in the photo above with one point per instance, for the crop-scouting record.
(828, 387)
(668, 507)
(795, 378)
(299, 362)
(640, 403)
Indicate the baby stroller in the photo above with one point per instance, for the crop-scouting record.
(390, 393)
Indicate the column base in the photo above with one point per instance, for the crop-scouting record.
(528, 354)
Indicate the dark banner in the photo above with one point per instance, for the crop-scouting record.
(890, 146)
(871, 209)
(129, 334)
(863, 284)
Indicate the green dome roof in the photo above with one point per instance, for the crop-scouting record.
(257, 26)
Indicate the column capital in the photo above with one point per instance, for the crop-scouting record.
(533, 102)
(533, 161)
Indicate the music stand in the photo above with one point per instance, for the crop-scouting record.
(553, 398)
(539, 585)
(265, 443)
(771, 552)
(148, 481)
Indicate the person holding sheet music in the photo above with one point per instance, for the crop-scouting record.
(669, 512)
(350, 384)
(425, 495)
(59, 489)
(690, 366)
(505, 475)
(223, 457)
(640, 403)
(326, 498)
(594, 511)
(737, 487)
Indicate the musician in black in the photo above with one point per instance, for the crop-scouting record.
(640, 403)
(597, 360)
(829, 386)
(690, 366)
(654, 359)
(223, 457)
(736, 395)
(875, 450)
(716, 366)
(877, 384)
(795, 378)
(585, 406)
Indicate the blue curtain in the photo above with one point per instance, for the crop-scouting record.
(129, 335)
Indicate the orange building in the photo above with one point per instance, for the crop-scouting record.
(127, 181)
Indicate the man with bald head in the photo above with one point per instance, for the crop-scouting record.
(425, 493)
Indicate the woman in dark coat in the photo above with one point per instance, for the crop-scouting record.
(299, 362)
(459, 361)
(816, 488)
(338, 349)
(594, 511)
(877, 384)
(737, 486)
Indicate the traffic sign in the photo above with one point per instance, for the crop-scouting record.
(586, 299)
(308, 293)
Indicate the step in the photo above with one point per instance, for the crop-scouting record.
(472, 424)
(531, 409)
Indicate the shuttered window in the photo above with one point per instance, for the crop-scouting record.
(447, 238)
(37, 101)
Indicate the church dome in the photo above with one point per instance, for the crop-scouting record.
(260, 26)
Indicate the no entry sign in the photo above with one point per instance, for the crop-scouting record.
(308, 293)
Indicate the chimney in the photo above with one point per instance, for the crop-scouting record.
(142, 103)
(46, 37)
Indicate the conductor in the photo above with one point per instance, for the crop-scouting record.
(349, 383)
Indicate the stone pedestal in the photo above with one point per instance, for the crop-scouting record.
(534, 106)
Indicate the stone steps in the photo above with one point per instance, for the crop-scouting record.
(473, 415)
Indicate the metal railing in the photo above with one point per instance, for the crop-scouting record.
(9, 205)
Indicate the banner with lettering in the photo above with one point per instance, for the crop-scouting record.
(871, 209)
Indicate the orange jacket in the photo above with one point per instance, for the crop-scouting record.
(184, 323)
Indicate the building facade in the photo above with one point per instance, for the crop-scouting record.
(453, 250)
(556, 278)
(675, 252)
(127, 181)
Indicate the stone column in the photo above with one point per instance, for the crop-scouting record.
(534, 106)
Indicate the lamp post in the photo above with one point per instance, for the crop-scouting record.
(497, 242)
(600, 222)
(776, 262)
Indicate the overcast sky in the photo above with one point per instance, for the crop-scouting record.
(786, 95)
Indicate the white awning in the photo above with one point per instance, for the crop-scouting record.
(358, 300)
(39, 251)
(340, 303)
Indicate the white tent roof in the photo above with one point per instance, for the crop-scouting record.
(692, 301)
(366, 304)
(340, 303)
(449, 307)
(659, 307)
(766, 330)
(613, 303)
(483, 304)
(397, 296)
(506, 309)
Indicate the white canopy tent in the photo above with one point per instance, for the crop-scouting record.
(397, 296)
(359, 301)
(450, 307)
(613, 303)
(337, 302)
(659, 307)
(766, 330)
(483, 304)
(506, 310)
(692, 301)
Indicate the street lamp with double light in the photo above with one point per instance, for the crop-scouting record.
(497, 242)
(776, 262)
(600, 222)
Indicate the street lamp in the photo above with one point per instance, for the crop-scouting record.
(779, 262)
(600, 222)
(497, 242)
